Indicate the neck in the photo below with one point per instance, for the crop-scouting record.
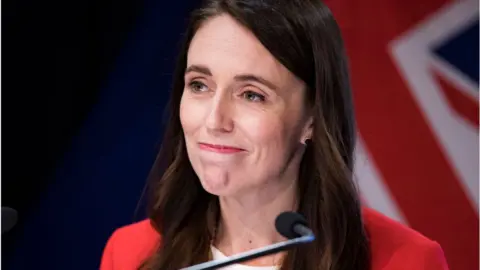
(248, 222)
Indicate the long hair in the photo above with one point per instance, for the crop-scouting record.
(304, 37)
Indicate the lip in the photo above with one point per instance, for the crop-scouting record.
(218, 148)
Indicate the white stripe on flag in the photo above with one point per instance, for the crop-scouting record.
(412, 54)
(372, 189)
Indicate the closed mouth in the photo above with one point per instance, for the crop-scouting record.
(226, 149)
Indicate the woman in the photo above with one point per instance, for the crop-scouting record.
(262, 122)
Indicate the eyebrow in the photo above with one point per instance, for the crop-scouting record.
(200, 69)
(255, 78)
(242, 77)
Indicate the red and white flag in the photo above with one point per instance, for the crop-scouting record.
(415, 79)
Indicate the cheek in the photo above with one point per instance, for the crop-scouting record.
(263, 129)
(273, 137)
(190, 115)
(272, 142)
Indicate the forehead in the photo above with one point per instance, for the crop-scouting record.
(225, 46)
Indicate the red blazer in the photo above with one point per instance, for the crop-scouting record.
(393, 245)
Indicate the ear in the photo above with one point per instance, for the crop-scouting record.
(307, 131)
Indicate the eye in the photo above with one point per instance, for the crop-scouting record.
(197, 86)
(252, 96)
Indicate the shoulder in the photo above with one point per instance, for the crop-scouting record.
(129, 246)
(395, 246)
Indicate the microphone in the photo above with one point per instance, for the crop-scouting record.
(292, 225)
(9, 219)
(289, 224)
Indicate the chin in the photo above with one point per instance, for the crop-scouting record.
(218, 188)
(218, 191)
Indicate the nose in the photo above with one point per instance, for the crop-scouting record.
(219, 118)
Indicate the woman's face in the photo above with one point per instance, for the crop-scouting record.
(242, 112)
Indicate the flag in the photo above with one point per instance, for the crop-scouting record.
(414, 72)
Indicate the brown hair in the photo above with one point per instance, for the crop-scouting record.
(304, 37)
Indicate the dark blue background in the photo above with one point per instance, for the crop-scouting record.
(103, 74)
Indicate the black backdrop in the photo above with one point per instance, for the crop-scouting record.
(84, 84)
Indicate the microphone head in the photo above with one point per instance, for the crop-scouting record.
(9, 218)
(285, 222)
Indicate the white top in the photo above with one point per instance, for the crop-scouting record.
(217, 255)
